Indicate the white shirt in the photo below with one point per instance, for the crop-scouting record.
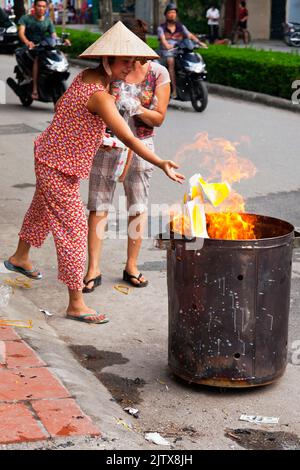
(213, 14)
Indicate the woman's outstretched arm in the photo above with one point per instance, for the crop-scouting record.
(103, 104)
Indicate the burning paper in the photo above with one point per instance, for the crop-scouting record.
(194, 202)
(225, 216)
(195, 212)
(215, 192)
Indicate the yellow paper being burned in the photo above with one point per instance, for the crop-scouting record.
(215, 192)
(194, 210)
(194, 202)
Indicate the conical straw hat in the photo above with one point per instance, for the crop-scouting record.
(119, 41)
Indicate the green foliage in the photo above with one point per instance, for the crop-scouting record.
(80, 40)
(249, 69)
(192, 14)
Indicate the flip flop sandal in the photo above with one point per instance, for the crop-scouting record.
(97, 282)
(128, 278)
(25, 272)
(84, 318)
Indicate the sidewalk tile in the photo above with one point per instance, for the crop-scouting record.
(64, 418)
(19, 354)
(8, 334)
(30, 384)
(17, 424)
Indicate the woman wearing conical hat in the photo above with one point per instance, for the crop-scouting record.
(63, 155)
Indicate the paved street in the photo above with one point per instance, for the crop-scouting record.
(106, 367)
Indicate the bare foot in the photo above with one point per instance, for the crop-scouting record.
(35, 95)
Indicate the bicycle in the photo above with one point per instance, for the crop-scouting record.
(240, 33)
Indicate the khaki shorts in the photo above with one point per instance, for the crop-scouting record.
(136, 183)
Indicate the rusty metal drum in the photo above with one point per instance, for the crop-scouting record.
(229, 306)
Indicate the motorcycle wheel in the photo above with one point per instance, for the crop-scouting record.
(26, 100)
(199, 95)
(295, 39)
(58, 92)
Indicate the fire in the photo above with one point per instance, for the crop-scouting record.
(219, 158)
(225, 226)
(231, 226)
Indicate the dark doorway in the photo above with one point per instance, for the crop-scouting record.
(230, 16)
(278, 17)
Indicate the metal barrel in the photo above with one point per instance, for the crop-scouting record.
(229, 307)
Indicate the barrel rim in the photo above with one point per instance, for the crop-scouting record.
(280, 239)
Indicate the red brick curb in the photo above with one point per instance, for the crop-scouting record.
(34, 405)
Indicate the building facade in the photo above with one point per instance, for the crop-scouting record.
(266, 17)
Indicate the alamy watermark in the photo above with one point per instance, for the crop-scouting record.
(146, 223)
(295, 356)
(2, 92)
(296, 94)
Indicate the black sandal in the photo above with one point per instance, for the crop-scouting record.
(97, 282)
(128, 278)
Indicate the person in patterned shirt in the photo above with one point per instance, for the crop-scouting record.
(152, 82)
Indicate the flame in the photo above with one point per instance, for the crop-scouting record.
(219, 158)
(225, 226)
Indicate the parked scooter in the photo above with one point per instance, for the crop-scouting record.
(9, 39)
(53, 72)
(292, 34)
(191, 73)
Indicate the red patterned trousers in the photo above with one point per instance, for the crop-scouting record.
(57, 208)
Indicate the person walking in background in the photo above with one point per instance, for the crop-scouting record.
(83, 10)
(243, 21)
(51, 11)
(213, 17)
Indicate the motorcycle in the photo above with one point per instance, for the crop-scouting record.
(292, 34)
(9, 39)
(53, 72)
(190, 70)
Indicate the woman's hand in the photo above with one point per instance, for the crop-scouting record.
(168, 167)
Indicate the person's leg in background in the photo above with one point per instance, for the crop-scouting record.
(136, 227)
(211, 34)
(96, 223)
(171, 68)
(35, 77)
(101, 193)
(137, 185)
(216, 32)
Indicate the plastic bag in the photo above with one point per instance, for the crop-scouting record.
(128, 102)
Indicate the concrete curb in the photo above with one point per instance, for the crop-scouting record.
(253, 97)
(228, 92)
